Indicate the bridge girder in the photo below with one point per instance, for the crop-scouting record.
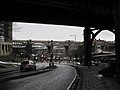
(62, 12)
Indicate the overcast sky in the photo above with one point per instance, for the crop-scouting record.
(26, 31)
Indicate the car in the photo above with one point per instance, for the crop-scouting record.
(78, 63)
(27, 65)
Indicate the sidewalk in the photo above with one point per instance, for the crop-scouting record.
(7, 68)
(91, 80)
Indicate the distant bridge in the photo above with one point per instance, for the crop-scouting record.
(104, 56)
(57, 47)
(48, 43)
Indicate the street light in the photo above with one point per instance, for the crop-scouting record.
(74, 37)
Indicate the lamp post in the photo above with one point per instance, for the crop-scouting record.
(74, 37)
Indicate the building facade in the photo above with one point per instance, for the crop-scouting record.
(103, 45)
(5, 38)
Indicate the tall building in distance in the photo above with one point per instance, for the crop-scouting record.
(5, 38)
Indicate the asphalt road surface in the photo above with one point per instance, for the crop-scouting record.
(39, 66)
(58, 79)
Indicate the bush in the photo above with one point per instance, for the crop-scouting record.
(6, 58)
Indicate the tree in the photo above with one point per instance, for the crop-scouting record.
(29, 48)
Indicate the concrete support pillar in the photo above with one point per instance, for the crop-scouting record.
(87, 46)
(117, 37)
(66, 50)
(51, 47)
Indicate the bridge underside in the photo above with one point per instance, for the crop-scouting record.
(17, 11)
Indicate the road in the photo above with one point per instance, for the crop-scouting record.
(39, 66)
(58, 79)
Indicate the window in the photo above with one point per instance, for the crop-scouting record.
(3, 47)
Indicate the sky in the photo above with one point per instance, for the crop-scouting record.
(26, 31)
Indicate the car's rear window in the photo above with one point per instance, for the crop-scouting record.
(25, 62)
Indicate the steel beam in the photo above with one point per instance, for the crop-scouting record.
(117, 37)
(87, 46)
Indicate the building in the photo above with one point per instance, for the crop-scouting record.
(45, 48)
(5, 38)
(103, 45)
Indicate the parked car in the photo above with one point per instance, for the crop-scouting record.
(27, 65)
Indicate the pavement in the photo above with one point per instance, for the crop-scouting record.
(91, 80)
(7, 68)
